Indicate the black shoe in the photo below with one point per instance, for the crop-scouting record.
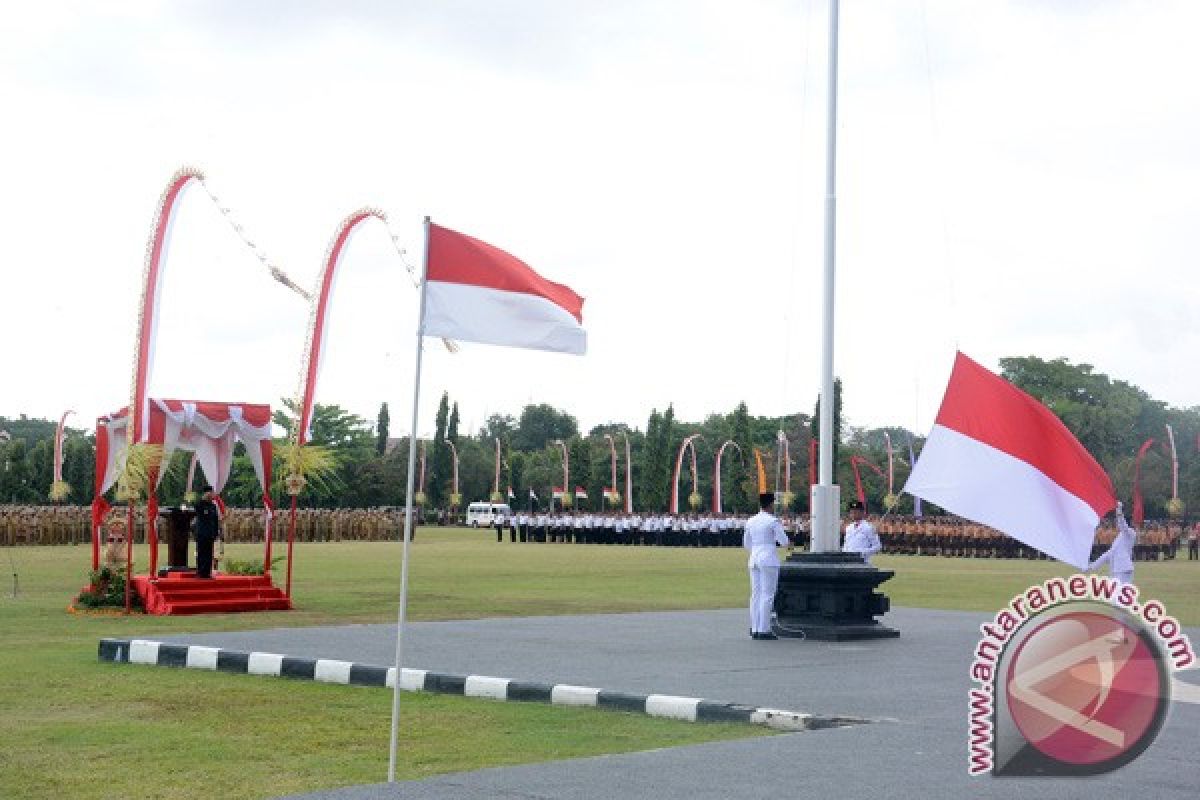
(754, 635)
(767, 637)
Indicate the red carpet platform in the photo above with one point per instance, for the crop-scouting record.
(184, 593)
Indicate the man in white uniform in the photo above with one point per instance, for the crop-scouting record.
(763, 533)
(1119, 555)
(861, 537)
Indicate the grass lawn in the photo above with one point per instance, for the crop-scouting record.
(76, 728)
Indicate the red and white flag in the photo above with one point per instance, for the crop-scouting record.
(475, 292)
(999, 457)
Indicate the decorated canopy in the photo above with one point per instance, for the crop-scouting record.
(210, 430)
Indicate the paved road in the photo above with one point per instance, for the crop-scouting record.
(914, 686)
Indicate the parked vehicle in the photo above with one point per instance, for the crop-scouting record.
(483, 515)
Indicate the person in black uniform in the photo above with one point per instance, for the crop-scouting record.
(208, 530)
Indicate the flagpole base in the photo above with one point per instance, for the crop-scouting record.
(831, 597)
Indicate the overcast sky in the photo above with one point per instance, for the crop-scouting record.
(1014, 178)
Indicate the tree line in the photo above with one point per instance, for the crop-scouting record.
(1112, 418)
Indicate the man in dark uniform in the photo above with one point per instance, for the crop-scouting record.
(208, 530)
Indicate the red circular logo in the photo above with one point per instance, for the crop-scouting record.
(1085, 689)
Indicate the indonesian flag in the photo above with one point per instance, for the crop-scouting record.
(511, 496)
(557, 493)
(999, 457)
(475, 292)
(581, 493)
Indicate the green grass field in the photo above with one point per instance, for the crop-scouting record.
(76, 728)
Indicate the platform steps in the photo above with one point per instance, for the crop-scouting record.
(182, 593)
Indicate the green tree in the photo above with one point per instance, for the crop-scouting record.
(452, 423)
(17, 486)
(741, 496)
(1110, 418)
(499, 426)
(382, 424)
(440, 461)
(541, 424)
(815, 424)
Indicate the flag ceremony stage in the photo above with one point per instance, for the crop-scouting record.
(183, 593)
(209, 430)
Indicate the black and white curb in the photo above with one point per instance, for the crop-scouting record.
(689, 709)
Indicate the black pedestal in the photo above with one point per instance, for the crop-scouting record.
(831, 597)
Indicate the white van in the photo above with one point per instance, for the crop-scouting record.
(483, 515)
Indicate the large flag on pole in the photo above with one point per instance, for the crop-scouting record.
(475, 292)
(999, 457)
(478, 293)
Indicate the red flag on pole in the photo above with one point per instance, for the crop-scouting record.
(475, 292)
(999, 457)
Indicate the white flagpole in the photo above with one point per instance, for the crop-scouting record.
(408, 516)
(826, 496)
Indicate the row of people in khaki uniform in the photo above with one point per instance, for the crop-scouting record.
(936, 536)
(59, 525)
(955, 537)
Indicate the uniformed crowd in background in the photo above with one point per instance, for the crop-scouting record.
(662, 530)
(927, 536)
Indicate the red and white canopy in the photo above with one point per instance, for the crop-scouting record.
(208, 429)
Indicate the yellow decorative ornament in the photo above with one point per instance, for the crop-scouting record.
(294, 484)
(420, 499)
(497, 497)
(568, 500)
(1175, 507)
(890, 500)
(788, 498)
(305, 463)
(614, 498)
(59, 491)
(455, 499)
(694, 500)
(141, 462)
(762, 472)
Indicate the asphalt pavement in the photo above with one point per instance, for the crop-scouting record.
(914, 689)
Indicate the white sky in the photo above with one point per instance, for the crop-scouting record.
(1014, 178)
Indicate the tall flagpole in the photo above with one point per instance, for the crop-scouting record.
(408, 517)
(826, 496)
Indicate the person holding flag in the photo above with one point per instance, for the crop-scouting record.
(1119, 555)
(763, 533)
(861, 536)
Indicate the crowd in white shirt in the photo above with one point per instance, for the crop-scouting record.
(668, 530)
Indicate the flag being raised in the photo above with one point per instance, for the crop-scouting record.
(475, 292)
(999, 457)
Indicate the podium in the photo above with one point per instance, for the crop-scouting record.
(179, 523)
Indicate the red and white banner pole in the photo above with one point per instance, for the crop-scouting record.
(1174, 465)
(612, 447)
(58, 446)
(144, 339)
(890, 471)
(1139, 505)
(310, 369)
(716, 499)
(628, 477)
(496, 481)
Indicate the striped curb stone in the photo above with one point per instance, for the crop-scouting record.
(689, 709)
